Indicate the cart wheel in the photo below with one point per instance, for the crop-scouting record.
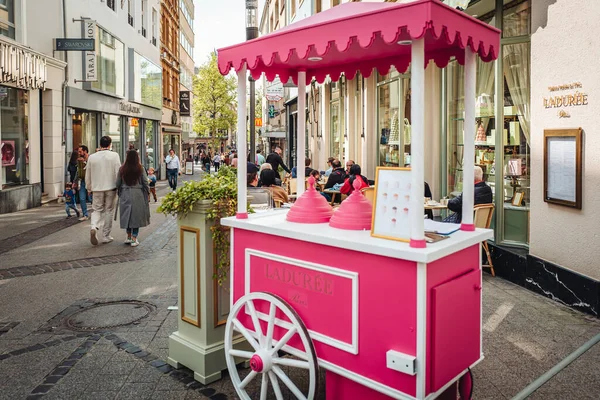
(265, 361)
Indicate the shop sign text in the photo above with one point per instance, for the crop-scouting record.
(129, 108)
(577, 98)
(301, 279)
(90, 55)
(21, 67)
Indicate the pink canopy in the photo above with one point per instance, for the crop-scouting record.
(361, 36)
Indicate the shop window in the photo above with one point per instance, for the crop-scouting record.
(335, 3)
(149, 154)
(394, 127)
(147, 81)
(154, 26)
(7, 18)
(134, 139)
(111, 64)
(14, 136)
(85, 131)
(337, 128)
(112, 128)
(516, 20)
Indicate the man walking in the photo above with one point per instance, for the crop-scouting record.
(173, 167)
(101, 177)
(275, 160)
(83, 152)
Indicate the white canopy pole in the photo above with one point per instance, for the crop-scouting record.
(468, 195)
(242, 146)
(301, 134)
(417, 144)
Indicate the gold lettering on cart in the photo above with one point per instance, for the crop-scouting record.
(315, 283)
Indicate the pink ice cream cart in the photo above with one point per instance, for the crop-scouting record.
(384, 319)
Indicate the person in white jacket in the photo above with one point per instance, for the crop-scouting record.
(101, 179)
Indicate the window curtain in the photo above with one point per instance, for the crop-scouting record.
(516, 73)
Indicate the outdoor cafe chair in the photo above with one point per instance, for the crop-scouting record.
(483, 219)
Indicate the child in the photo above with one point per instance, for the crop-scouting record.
(152, 183)
(69, 196)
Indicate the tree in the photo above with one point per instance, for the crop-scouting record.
(214, 100)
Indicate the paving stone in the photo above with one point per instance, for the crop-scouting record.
(103, 383)
(144, 374)
(120, 368)
(173, 395)
(99, 395)
(136, 391)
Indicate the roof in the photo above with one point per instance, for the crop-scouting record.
(361, 36)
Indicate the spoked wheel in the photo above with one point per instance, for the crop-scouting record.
(265, 362)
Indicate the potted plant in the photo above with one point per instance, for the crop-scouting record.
(216, 196)
(203, 267)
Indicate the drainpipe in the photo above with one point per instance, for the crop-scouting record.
(64, 92)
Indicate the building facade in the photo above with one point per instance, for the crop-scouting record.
(114, 90)
(170, 59)
(31, 118)
(367, 120)
(186, 59)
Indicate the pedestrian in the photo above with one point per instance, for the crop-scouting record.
(72, 167)
(206, 162)
(234, 161)
(132, 185)
(173, 167)
(101, 177)
(69, 196)
(82, 186)
(260, 159)
(152, 184)
(217, 162)
(275, 160)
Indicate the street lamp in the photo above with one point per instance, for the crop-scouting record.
(252, 33)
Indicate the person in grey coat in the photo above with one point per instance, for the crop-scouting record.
(132, 185)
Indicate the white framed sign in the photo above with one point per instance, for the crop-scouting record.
(189, 168)
(89, 32)
(391, 205)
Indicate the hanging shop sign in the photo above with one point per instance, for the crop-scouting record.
(21, 67)
(274, 90)
(74, 44)
(89, 32)
(564, 100)
(257, 121)
(184, 103)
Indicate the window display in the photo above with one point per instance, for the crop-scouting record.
(112, 128)
(393, 101)
(14, 136)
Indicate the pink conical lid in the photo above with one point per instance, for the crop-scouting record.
(311, 207)
(355, 213)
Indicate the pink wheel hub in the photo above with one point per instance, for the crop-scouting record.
(256, 363)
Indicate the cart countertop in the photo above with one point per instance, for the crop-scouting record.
(274, 223)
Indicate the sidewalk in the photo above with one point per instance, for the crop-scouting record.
(97, 325)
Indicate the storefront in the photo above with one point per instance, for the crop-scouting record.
(101, 109)
(30, 121)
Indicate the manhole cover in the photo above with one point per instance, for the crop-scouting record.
(109, 315)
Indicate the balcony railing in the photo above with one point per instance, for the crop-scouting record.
(130, 19)
(143, 32)
(111, 4)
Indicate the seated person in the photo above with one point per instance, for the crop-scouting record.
(337, 176)
(315, 174)
(252, 167)
(307, 169)
(252, 179)
(429, 213)
(483, 195)
(330, 165)
(268, 166)
(267, 178)
(355, 173)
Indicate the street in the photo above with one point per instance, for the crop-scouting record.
(57, 343)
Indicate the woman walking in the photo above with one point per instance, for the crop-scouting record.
(132, 184)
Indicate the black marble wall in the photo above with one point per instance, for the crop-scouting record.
(550, 280)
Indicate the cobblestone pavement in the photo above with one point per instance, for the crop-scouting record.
(60, 338)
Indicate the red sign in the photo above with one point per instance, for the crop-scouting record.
(257, 121)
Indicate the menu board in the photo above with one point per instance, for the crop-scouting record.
(562, 167)
(392, 204)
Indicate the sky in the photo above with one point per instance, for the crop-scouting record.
(219, 23)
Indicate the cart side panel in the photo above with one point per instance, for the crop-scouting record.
(453, 316)
(382, 289)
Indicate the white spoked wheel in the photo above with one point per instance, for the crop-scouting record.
(265, 362)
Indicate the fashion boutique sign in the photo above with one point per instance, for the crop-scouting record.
(21, 67)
